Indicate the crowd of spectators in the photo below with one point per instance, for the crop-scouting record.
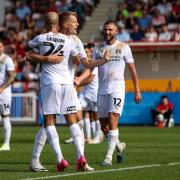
(138, 20)
(148, 20)
(24, 19)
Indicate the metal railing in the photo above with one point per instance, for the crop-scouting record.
(24, 107)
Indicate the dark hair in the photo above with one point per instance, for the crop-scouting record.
(164, 96)
(111, 22)
(90, 45)
(1, 41)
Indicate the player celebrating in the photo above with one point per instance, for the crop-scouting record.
(68, 26)
(56, 86)
(7, 75)
(111, 92)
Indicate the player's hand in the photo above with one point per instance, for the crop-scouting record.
(107, 55)
(137, 97)
(55, 58)
(77, 81)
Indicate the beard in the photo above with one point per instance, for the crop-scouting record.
(108, 37)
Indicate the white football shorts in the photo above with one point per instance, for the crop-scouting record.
(110, 103)
(58, 99)
(88, 104)
(5, 105)
(78, 103)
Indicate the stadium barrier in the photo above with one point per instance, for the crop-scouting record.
(140, 114)
(24, 107)
(136, 114)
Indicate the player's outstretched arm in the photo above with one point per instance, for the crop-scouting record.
(91, 63)
(34, 57)
(76, 60)
(134, 76)
(78, 81)
(9, 80)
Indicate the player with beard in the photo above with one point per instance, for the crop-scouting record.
(111, 91)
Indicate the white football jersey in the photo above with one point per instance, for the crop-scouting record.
(82, 54)
(90, 90)
(6, 64)
(50, 43)
(111, 74)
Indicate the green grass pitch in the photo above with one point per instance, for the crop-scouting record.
(145, 146)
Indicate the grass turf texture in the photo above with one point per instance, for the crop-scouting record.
(145, 146)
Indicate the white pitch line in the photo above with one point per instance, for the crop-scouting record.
(104, 171)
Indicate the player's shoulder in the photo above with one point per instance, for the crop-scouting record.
(76, 39)
(121, 44)
(7, 57)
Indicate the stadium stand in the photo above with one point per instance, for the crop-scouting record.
(150, 27)
(23, 20)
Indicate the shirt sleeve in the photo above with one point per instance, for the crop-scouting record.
(34, 43)
(9, 64)
(95, 71)
(80, 47)
(74, 50)
(128, 57)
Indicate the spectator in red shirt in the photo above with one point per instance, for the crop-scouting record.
(163, 112)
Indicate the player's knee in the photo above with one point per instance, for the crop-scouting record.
(49, 120)
(105, 130)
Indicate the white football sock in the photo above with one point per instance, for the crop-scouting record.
(81, 125)
(7, 130)
(112, 140)
(53, 139)
(87, 128)
(98, 128)
(39, 143)
(93, 128)
(77, 139)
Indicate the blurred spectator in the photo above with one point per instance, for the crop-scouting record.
(22, 10)
(176, 11)
(165, 35)
(131, 21)
(51, 6)
(28, 74)
(78, 8)
(163, 112)
(62, 5)
(123, 34)
(138, 11)
(151, 7)
(136, 34)
(151, 35)
(122, 9)
(164, 7)
(24, 19)
(11, 21)
(145, 21)
(158, 20)
(177, 35)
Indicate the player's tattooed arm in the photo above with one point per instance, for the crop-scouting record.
(91, 63)
(135, 80)
(10, 80)
(76, 60)
(85, 78)
(34, 57)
